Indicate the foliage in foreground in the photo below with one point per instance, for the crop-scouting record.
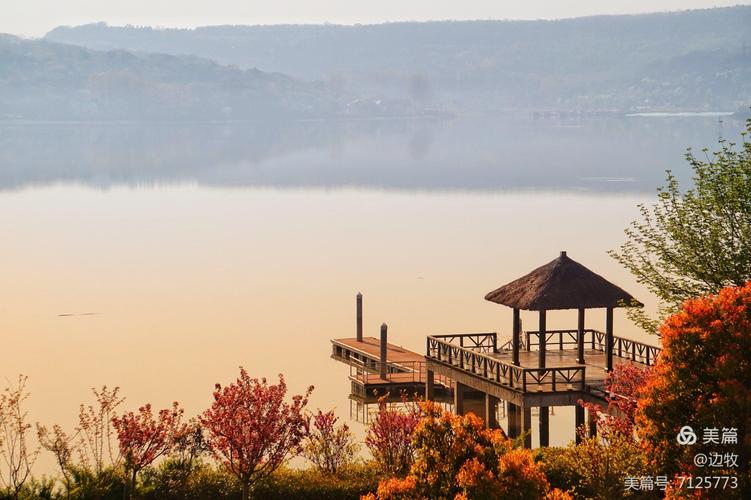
(703, 379)
(457, 457)
(694, 242)
(597, 467)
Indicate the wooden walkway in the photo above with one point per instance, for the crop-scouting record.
(370, 347)
(405, 369)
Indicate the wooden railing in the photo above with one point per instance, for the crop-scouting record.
(622, 347)
(490, 368)
(403, 372)
(481, 342)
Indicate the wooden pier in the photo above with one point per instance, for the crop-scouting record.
(402, 370)
(534, 369)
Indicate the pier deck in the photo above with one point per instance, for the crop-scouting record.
(405, 369)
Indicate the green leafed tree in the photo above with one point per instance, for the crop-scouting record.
(696, 241)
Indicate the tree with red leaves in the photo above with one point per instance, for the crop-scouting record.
(143, 438)
(252, 430)
(702, 378)
(623, 386)
(389, 437)
(328, 446)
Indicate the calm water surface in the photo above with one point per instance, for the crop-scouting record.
(160, 258)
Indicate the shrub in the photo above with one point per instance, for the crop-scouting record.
(389, 437)
(328, 446)
(457, 457)
(596, 468)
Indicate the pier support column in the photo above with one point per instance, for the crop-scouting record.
(512, 416)
(429, 385)
(609, 338)
(526, 415)
(491, 409)
(543, 339)
(580, 338)
(579, 422)
(516, 337)
(359, 317)
(384, 336)
(544, 424)
(459, 391)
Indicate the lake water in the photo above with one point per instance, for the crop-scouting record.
(159, 258)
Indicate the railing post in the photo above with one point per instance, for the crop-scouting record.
(580, 338)
(524, 380)
(633, 351)
(554, 380)
(542, 340)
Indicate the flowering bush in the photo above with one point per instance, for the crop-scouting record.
(143, 438)
(623, 386)
(389, 437)
(328, 446)
(251, 428)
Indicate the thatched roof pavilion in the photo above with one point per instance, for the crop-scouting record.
(562, 284)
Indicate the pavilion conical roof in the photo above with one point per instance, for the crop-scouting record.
(561, 284)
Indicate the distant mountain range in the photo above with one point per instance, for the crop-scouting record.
(42, 80)
(695, 60)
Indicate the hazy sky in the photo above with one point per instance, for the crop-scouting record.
(36, 17)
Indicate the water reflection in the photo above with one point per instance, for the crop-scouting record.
(613, 155)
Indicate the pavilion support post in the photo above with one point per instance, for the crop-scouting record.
(592, 420)
(609, 338)
(459, 391)
(580, 338)
(429, 385)
(384, 342)
(491, 409)
(579, 423)
(515, 340)
(544, 424)
(543, 339)
(359, 317)
(526, 415)
(512, 415)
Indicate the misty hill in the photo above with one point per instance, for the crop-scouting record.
(684, 60)
(51, 81)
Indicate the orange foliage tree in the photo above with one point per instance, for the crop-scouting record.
(702, 379)
(457, 457)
